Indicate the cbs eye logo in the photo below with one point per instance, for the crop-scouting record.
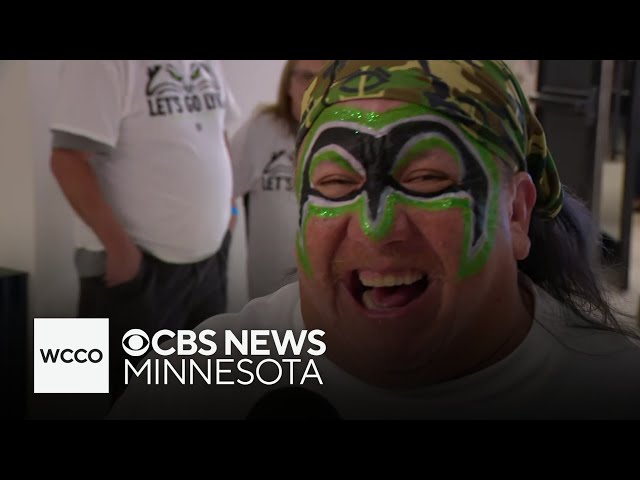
(135, 342)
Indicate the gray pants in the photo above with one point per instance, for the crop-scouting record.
(161, 296)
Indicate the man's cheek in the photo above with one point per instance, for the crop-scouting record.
(322, 232)
(322, 238)
(444, 232)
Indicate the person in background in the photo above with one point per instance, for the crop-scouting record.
(262, 153)
(140, 152)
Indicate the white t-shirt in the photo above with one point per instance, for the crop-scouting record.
(560, 371)
(167, 175)
(262, 153)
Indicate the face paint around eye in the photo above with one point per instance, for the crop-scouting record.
(379, 146)
(334, 179)
(426, 142)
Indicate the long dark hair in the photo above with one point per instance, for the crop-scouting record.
(564, 260)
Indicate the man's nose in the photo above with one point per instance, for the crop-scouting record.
(392, 226)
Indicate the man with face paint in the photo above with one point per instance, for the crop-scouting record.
(441, 256)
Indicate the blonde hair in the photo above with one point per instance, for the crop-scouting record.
(282, 108)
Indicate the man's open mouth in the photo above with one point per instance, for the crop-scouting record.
(379, 291)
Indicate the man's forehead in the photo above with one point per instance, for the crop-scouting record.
(355, 128)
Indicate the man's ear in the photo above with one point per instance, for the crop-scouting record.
(522, 203)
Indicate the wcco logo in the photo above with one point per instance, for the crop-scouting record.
(71, 355)
(81, 355)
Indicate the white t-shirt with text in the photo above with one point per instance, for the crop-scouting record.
(167, 174)
(262, 152)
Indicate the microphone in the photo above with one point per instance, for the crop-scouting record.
(293, 403)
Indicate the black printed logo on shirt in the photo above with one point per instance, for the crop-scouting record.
(171, 91)
(278, 174)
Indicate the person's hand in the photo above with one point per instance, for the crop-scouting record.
(123, 264)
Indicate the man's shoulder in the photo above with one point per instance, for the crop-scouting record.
(580, 335)
(587, 358)
(272, 312)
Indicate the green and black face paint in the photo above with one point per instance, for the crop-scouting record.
(474, 109)
(377, 146)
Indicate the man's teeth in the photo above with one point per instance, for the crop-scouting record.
(371, 279)
(369, 302)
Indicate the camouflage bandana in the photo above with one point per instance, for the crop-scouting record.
(482, 97)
